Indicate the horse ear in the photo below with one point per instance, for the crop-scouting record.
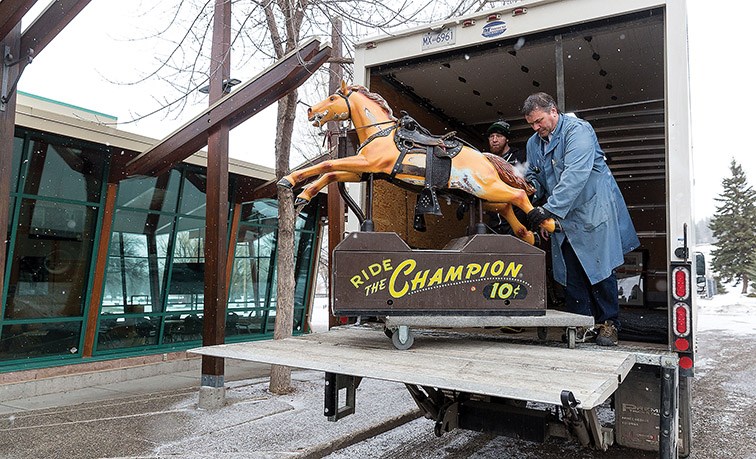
(344, 88)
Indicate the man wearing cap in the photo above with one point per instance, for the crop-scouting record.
(498, 144)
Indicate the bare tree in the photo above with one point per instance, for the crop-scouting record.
(265, 30)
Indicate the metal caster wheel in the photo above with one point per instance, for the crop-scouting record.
(542, 333)
(571, 337)
(402, 338)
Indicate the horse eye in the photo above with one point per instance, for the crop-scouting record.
(332, 98)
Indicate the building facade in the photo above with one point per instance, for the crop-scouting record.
(103, 269)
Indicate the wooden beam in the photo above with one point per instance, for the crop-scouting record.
(49, 24)
(101, 264)
(233, 109)
(11, 13)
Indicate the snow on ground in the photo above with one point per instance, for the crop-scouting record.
(731, 311)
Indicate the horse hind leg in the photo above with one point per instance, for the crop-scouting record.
(503, 193)
(505, 210)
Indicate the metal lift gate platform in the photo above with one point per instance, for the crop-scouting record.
(450, 361)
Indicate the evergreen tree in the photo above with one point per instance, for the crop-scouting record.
(734, 227)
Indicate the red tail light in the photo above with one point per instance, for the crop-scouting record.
(681, 283)
(682, 319)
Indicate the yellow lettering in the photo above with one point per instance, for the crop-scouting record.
(453, 274)
(387, 264)
(437, 277)
(356, 281)
(472, 269)
(419, 280)
(497, 268)
(374, 269)
(513, 269)
(405, 267)
(485, 269)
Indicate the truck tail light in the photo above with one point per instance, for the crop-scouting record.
(682, 319)
(681, 316)
(680, 283)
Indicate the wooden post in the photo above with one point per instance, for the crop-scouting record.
(8, 74)
(216, 217)
(335, 202)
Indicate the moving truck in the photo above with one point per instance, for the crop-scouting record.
(622, 65)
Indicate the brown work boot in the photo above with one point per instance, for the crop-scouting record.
(607, 334)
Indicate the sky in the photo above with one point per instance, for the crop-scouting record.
(82, 65)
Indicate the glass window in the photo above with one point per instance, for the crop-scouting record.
(64, 172)
(150, 193)
(187, 283)
(136, 262)
(50, 262)
(127, 332)
(253, 265)
(21, 341)
(193, 199)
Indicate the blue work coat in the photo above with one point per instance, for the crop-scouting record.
(571, 174)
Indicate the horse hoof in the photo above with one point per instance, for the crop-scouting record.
(300, 202)
(549, 225)
(284, 183)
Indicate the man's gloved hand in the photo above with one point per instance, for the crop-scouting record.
(536, 217)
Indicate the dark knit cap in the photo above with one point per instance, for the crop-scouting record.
(501, 126)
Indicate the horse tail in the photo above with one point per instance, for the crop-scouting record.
(508, 174)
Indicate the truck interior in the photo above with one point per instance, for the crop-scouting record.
(610, 73)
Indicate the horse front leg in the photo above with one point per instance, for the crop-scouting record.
(310, 191)
(505, 210)
(357, 164)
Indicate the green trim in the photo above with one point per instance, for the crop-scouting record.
(64, 104)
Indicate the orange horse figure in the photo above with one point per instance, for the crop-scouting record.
(483, 175)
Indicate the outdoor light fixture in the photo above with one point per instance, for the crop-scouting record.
(227, 85)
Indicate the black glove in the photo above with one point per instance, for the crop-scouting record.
(536, 217)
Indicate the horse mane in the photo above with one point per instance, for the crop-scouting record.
(508, 174)
(375, 97)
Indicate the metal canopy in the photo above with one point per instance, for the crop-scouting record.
(453, 361)
(235, 108)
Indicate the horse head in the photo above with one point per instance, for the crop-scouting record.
(334, 108)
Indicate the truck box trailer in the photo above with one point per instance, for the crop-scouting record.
(622, 66)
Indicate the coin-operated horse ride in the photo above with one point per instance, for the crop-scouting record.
(474, 279)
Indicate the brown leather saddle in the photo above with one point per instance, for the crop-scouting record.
(410, 137)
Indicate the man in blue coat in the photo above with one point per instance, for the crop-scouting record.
(567, 167)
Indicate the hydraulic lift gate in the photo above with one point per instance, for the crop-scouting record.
(452, 361)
